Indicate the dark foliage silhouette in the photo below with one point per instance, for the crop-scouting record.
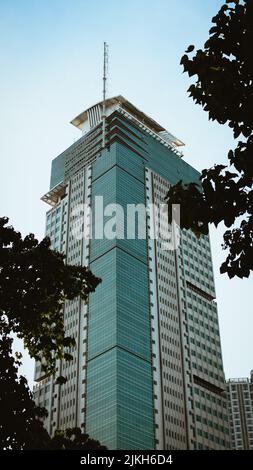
(34, 283)
(224, 88)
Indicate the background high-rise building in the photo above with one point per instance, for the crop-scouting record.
(240, 397)
(147, 370)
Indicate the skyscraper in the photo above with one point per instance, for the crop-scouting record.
(240, 396)
(147, 370)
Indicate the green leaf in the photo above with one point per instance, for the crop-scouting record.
(190, 49)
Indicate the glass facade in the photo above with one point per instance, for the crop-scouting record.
(119, 317)
(57, 170)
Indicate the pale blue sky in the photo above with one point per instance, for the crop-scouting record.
(51, 68)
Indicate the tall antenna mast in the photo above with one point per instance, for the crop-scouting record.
(104, 92)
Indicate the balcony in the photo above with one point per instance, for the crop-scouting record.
(53, 196)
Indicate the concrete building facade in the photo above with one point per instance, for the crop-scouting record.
(147, 370)
(240, 397)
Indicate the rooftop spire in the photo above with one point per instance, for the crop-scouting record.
(105, 70)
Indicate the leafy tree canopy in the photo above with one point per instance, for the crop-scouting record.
(224, 88)
(34, 284)
(21, 425)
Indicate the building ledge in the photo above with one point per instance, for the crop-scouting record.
(54, 194)
(242, 380)
(93, 116)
